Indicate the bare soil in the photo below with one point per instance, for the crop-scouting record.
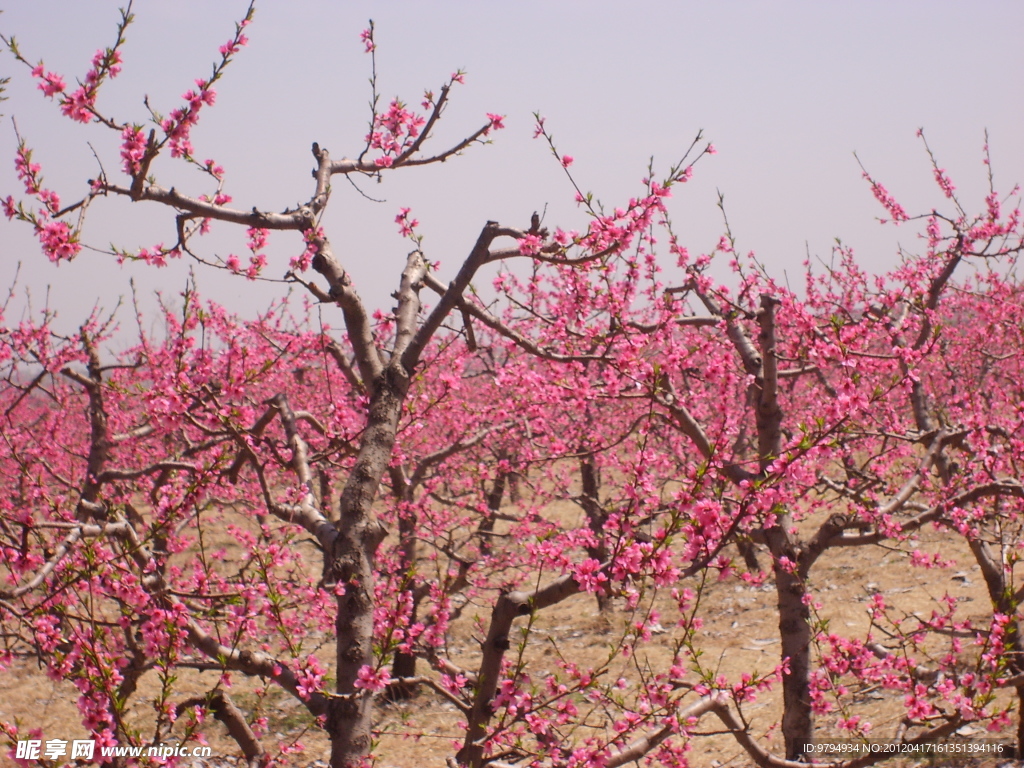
(740, 634)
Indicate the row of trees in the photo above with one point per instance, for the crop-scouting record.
(242, 497)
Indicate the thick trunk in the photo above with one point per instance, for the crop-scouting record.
(349, 717)
(790, 565)
(795, 633)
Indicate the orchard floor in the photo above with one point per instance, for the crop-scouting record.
(739, 635)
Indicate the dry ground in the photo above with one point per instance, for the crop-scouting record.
(740, 634)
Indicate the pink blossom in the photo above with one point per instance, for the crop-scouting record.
(406, 226)
(497, 123)
(566, 160)
(256, 265)
(133, 149)
(366, 36)
(52, 83)
(303, 261)
(233, 45)
(786, 564)
(78, 105)
(310, 678)
(888, 201)
(530, 245)
(589, 576)
(50, 199)
(370, 679)
(213, 169)
(27, 171)
(257, 238)
(58, 241)
(944, 183)
(156, 256)
(992, 205)
(104, 61)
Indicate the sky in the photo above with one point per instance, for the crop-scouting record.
(787, 92)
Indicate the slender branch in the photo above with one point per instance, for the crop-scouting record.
(254, 665)
(497, 325)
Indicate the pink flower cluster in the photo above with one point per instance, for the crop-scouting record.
(530, 245)
(155, 256)
(310, 678)
(235, 44)
(80, 104)
(179, 125)
(370, 679)
(256, 241)
(887, 200)
(28, 172)
(366, 36)
(133, 149)
(52, 83)
(589, 576)
(303, 261)
(944, 183)
(406, 225)
(394, 131)
(58, 240)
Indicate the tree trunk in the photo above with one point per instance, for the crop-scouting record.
(597, 518)
(795, 633)
(404, 665)
(486, 527)
(749, 553)
(1003, 601)
(349, 716)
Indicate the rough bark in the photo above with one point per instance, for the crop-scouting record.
(795, 634)
(1004, 601)
(350, 571)
(597, 518)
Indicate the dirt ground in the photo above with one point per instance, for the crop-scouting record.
(739, 635)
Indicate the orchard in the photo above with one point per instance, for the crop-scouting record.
(208, 517)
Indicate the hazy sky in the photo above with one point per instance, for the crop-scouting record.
(787, 91)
